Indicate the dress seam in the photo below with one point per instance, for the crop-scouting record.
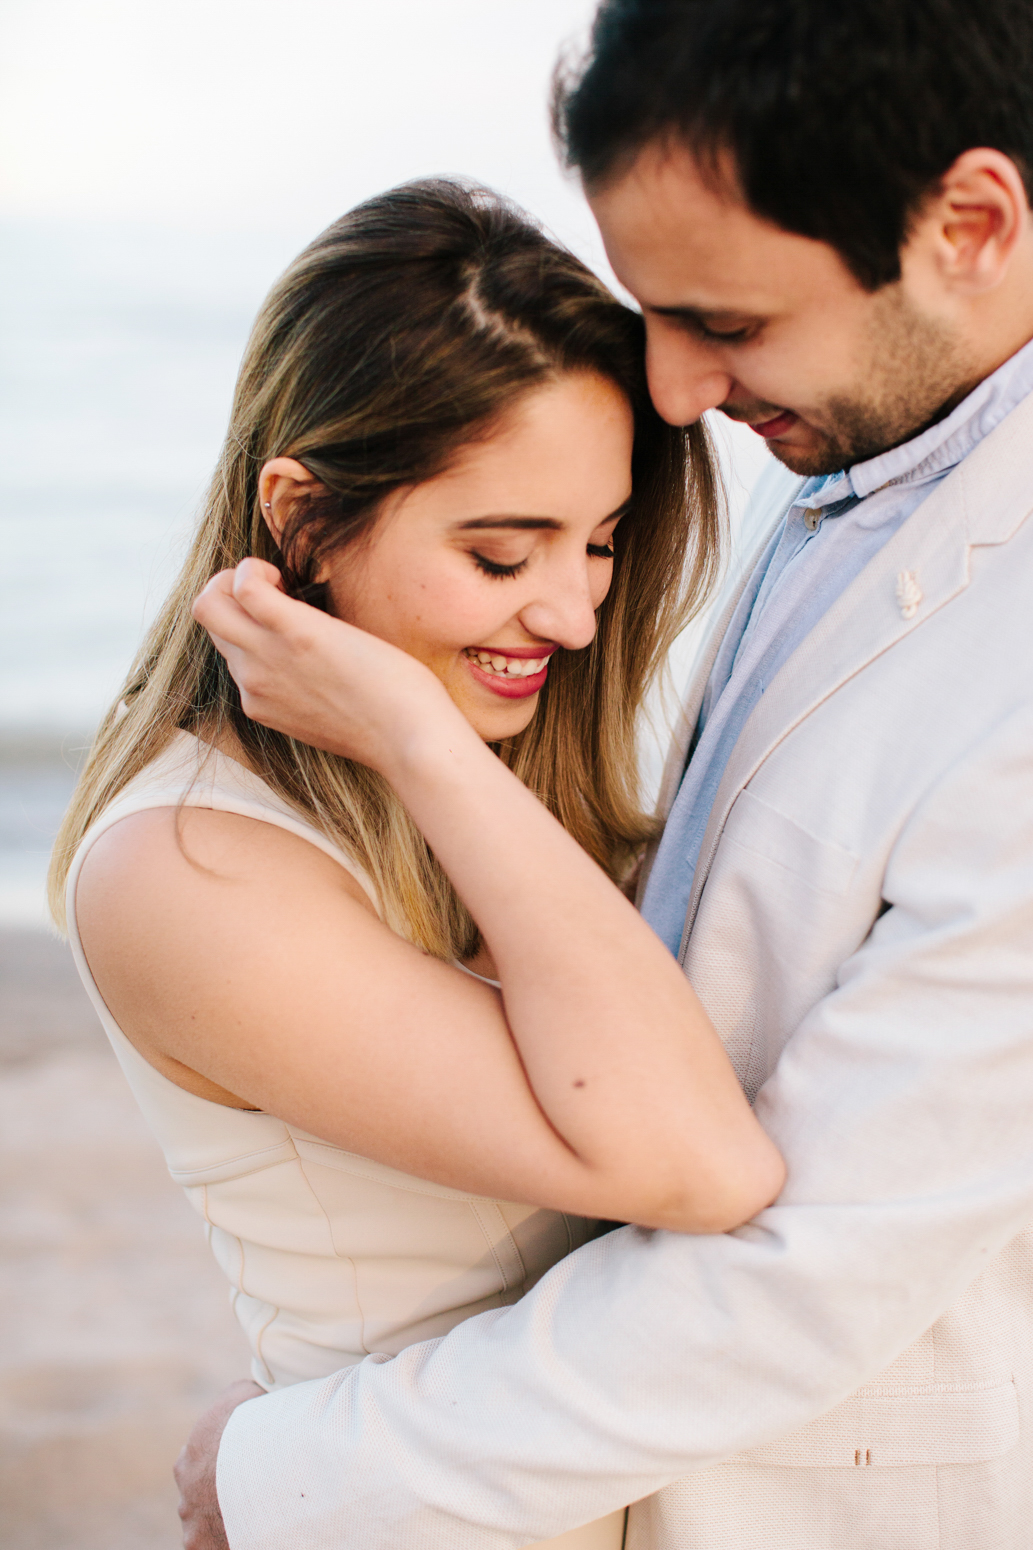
(347, 1258)
(507, 1286)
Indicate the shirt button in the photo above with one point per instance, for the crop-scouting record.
(811, 518)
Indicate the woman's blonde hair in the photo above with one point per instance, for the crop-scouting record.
(400, 335)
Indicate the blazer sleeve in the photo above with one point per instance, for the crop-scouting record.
(902, 1104)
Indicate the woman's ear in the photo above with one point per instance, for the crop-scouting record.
(280, 483)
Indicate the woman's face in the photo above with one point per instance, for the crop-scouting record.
(486, 570)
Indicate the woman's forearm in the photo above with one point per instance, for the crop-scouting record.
(617, 1048)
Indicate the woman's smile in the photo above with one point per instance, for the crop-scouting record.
(512, 671)
(511, 543)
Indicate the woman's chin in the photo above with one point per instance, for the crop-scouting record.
(495, 723)
(493, 716)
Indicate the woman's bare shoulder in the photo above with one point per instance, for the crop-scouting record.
(238, 960)
(169, 897)
(198, 849)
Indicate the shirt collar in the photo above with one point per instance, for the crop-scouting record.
(939, 448)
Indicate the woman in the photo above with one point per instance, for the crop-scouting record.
(368, 991)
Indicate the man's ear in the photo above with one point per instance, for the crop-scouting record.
(976, 220)
(280, 483)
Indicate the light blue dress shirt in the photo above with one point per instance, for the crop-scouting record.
(834, 527)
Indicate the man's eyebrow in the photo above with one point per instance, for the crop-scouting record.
(678, 312)
(530, 524)
(702, 317)
(698, 313)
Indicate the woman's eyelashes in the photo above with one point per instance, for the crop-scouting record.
(493, 568)
(501, 572)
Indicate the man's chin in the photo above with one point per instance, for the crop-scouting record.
(811, 461)
(795, 443)
(806, 450)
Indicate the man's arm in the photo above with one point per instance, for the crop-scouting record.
(902, 1106)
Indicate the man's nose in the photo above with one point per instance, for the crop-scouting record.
(685, 378)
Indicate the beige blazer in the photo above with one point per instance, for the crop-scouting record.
(854, 1370)
(883, 715)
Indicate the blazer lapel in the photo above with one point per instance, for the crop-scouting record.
(923, 566)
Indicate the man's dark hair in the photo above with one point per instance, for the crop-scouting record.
(840, 115)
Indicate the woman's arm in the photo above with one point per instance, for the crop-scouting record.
(269, 977)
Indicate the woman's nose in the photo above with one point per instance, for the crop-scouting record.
(564, 610)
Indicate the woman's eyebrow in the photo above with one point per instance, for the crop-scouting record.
(523, 524)
(530, 524)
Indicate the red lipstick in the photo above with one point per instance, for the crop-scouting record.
(509, 686)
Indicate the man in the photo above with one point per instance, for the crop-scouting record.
(824, 213)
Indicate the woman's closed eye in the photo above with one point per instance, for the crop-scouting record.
(496, 569)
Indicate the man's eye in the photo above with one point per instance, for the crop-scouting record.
(700, 328)
(727, 336)
(493, 568)
(601, 551)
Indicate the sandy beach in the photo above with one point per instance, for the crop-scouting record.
(115, 1328)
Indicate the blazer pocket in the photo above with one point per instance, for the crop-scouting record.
(941, 1424)
(765, 831)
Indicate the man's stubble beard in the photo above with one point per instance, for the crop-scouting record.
(915, 373)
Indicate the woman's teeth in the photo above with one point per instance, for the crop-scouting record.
(507, 667)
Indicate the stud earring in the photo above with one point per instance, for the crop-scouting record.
(268, 505)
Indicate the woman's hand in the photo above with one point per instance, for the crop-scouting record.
(318, 679)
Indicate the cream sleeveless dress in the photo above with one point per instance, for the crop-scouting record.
(330, 1256)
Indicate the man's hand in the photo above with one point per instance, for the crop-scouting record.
(195, 1471)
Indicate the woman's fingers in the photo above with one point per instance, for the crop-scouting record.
(219, 612)
(258, 587)
(249, 647)
(221, 582)
(310, 675)
(251, 585)
(259, 569)
(261, 634)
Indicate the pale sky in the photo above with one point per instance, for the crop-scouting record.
(276, 114)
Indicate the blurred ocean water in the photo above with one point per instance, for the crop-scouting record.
(120, 352)
(120, 349)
